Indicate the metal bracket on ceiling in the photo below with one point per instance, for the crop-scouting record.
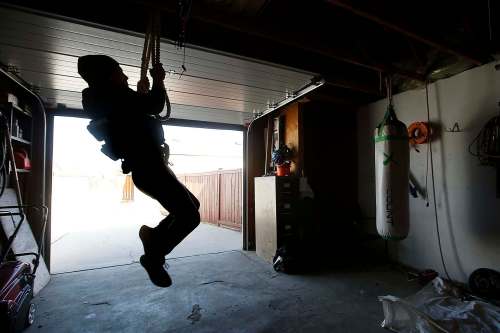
(290, 94)
(315, 83)
(13, 69)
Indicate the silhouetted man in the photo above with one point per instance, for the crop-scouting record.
(125, 120)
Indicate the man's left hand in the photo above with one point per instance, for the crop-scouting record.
(157, 73)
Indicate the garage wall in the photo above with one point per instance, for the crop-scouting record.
(329, 143)
(468, 210)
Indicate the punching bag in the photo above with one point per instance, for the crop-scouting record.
(392, 159)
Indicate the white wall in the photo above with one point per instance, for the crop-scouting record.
(468, 210)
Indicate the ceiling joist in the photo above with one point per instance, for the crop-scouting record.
(475, 59)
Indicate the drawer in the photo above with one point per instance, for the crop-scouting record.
(285, 205)
(287, 185)
(286, 228)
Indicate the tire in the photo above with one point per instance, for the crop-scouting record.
(31, 315)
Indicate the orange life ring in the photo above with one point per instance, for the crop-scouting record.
(419, 133)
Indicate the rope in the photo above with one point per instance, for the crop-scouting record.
(145, 53)
(151, 51)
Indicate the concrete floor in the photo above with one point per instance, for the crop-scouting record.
(85, 249)
(233, 291)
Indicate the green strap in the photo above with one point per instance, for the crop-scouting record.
(380, 138)
(390, 114)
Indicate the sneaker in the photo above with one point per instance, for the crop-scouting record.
(153, 263)
(156, 271)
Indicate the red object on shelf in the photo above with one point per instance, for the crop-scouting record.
(283, 170)
(22, 160)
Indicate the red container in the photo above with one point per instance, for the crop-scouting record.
(22, 160)
(283, 170)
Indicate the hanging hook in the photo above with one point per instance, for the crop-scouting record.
(456, 128)
(183, 66)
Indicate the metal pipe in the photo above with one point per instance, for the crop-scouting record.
(14, 168)
(11, 239)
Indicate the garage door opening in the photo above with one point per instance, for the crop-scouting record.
(97, 211)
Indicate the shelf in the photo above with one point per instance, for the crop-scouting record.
(19, 109)
(23, 171)
(20, 140)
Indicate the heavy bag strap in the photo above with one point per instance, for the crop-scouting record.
(398, 129)
(389, 117)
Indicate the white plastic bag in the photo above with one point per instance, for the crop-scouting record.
(437, 308)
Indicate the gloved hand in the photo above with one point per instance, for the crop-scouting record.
(143, 86)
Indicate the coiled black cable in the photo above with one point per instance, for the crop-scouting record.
(486, 145)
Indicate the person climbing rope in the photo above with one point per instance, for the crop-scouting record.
(125, 120)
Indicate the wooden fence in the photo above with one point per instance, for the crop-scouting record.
(220, 195)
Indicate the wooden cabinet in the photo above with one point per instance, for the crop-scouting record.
(276, 200)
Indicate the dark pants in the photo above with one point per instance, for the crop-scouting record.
(154, 178)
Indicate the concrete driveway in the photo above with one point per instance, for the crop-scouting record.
(81, 250)
(93, 228)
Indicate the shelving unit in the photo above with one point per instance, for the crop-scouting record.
(25, 118)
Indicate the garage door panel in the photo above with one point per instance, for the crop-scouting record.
(45, 50)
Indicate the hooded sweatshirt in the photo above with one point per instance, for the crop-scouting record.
(129, 126)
